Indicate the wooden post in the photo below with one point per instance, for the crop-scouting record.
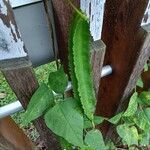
(126, 52)
(5, 145)
(17, 68)
(63, 13)
(97, 58)
(144, 55)
(12, 137)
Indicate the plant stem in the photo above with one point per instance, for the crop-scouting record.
(78, 11)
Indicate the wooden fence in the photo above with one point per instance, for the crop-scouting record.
(127, 50)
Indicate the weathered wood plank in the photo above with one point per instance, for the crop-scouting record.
(16, 3)
(146, 18)
(11, 44)
(13, 139)
(5, 145)
(51, 26)
(143, 56)
(18, 70)
(63, 15)
(124, 40)
(95, 11)
(97, 58)
(23, 82)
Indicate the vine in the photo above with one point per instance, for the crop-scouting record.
(72, 118)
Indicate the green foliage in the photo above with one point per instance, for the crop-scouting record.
(110, 146)
(133, 105)
(41, 100)
(144, 139)
(128, 134)
(70, 120)
(71, 60)
(147, 114)
(140, 82)
(116, 119)
(141, 120)
(144, 98)
(58, 81)
(80, 13)
(129, 120)
(64, 144)
(88, 123)
(94, 140)
(64, 120)
(146, 67)
(5, 88)
(81, 52)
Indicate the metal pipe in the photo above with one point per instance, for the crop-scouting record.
(15, 107)
(106, 71)
(10, 109)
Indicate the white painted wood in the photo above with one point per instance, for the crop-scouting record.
(94, 9)
(146, 18)
(11, 45)
(18, 3)
(3, 8)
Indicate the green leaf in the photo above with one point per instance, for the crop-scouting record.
(116, 119)
(65, 121)
(64, 144)
(82, 15)
(86, 148)
(41, 100)
(129, 120)
(141, 120)
(140, 83)
(147, 113)
(88, 123)
(128, 134)
(110, 146)
(132, 107)
(145, 67)
(71, 60)
(145, 139)
(58, 81)
(83, 71)
(144, 98)
(94, 139)
(132, 148)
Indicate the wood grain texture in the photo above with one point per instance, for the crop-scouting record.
(14, 139)
(146, 18)
(124, 40)
(63, 14)
(146, 75)
(97, 58)
(5, 145)
(11, 44)
(23, 82)
(146, 80)
(143, 56)
(21, 78)
(51, 26)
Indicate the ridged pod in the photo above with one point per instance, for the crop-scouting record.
(71, 61)
(82, 66)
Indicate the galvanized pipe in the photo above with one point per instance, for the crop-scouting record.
(106, 71)
(10, 109)
(17, 107)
